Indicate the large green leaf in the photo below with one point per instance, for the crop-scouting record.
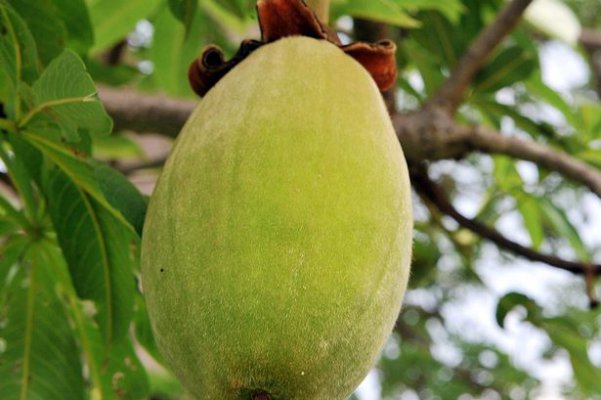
(18, 58)
(74, 14)
(114, 372)
(41, 359)
(11, 249)
(79, 170)
(114, 19)
(49, 31)
(122, 195)
(18, 50)
(66, 94)
(97, 249)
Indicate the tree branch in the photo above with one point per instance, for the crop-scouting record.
(136, 111)
(424, 135)
(435, 136)
(450, 94)
(590, 39)
(435, 194)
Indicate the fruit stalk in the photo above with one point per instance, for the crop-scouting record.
(321, 9)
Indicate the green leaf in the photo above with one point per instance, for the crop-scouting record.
(592, 157)
(558, 219)
(451, 9)
(531, 214)
(511, 65)
(97, 250)
(173, 51)
(563, 331)
(114, 371)
(48, 30)
(512, 300)
(78, 170)
(241, 9)
(143, 329)
(386, 11)
(113, 20)
(74, 14)
(122, 195)
(184, 11)
(427, 64)
(506, 175)
(123, 375)
(590, 117)
(439, 39)
(21, 179)
(66, 93)
(18, 50)
(41, 359)
(10, 251)
(116, 146)
(18, 58)
(537, 87)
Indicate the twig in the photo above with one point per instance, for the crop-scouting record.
(450, 94)
(434, 193)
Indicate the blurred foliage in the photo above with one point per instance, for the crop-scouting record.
(588, 12)
(69, 228)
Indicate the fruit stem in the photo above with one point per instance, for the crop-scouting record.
(321, 8)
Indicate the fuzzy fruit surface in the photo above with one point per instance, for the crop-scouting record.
(277, 243)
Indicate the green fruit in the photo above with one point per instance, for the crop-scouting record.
(277, 243)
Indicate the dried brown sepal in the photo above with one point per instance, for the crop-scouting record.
(281, 18)
(378, 59)
(211, 66)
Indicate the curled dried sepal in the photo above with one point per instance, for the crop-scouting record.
(281, 18)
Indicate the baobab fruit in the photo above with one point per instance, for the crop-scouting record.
(277, 243)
